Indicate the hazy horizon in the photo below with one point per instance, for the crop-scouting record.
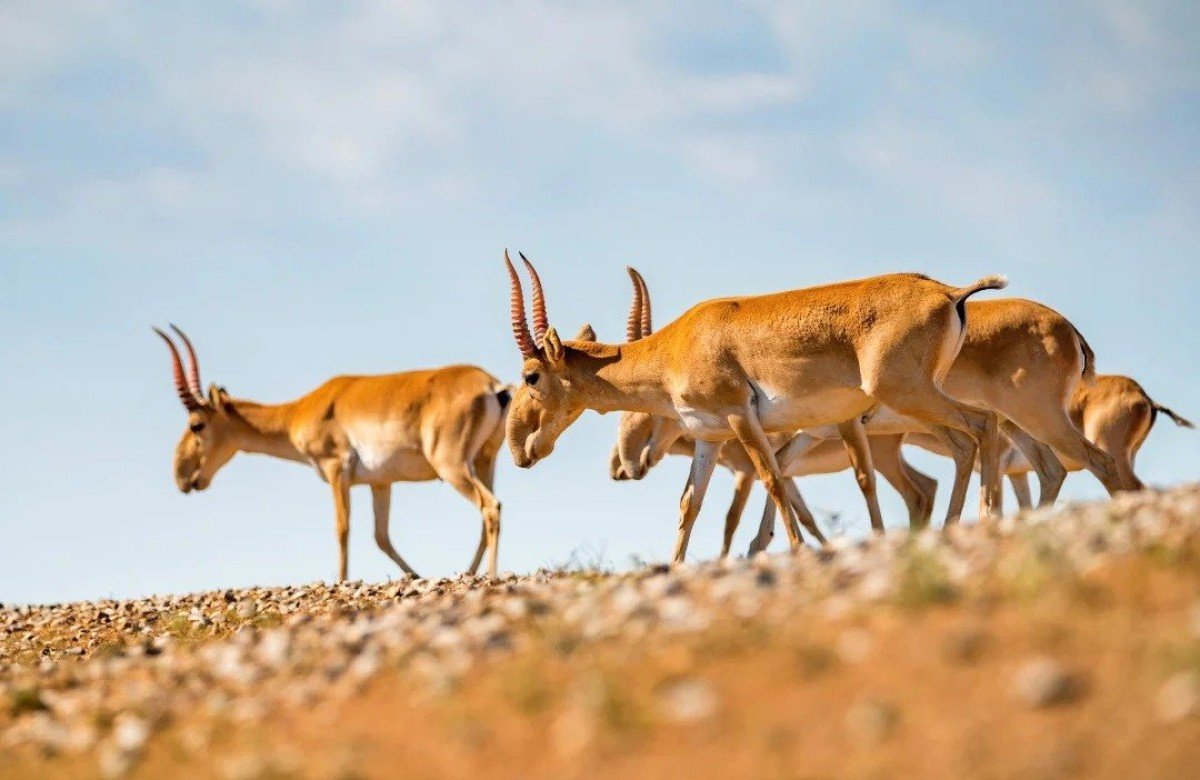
(311, 191)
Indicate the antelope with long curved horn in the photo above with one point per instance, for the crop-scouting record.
(740, 368)
(443, 423)
(643, 439)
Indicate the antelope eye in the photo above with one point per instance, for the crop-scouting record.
(196, 427)
(531, 379)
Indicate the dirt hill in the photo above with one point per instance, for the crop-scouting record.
(1063, 643)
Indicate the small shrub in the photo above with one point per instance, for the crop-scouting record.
(23, 700)
(923, 580)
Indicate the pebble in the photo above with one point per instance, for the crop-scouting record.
(1179, 698)
(688, 701)
(870, 721)
(1044, 682)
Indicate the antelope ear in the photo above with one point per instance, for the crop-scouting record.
(218, 397)
(552, 346)
(586, 333)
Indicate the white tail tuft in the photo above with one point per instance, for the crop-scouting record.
(994, 282)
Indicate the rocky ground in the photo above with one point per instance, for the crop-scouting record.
(1054, 644)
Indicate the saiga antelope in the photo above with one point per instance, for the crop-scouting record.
(1114, 412)
(444, 423)
(742, 367)
(1023, 362)
(1019, 360)
(643, 439)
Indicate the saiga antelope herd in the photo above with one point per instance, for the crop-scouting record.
(772, 387)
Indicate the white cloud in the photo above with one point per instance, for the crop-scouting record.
(378, 105)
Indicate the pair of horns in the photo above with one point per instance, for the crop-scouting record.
(638, 325)
(187, 388)
(528, 344)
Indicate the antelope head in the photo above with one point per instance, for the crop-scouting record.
(209, 442)
(547, 402)
(642, 439)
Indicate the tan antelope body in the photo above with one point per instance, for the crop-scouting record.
(643, 440)
(1023, 362)
(444, 423)
(742, 367)
(1019, 360)
(1114, 412)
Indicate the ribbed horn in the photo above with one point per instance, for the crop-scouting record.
(633, 325)
(189, 399)
(520, 327)
(541, 323)
(647, 325)
(193, 363)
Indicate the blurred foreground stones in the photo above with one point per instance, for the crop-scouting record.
(104, 678)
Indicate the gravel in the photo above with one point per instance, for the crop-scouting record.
(106, 677)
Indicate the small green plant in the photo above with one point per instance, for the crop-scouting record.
(23, 700)
(923, 580)
(181, 628)
(585, 562)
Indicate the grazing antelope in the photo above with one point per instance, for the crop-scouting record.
(444, 423)
(746, 366)
(643, 439)
(1114, 413)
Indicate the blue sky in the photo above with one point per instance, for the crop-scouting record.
(313, 189)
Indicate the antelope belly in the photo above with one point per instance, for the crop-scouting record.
(784, 409)
(382, 455)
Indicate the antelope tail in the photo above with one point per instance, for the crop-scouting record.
(994, 282)
(504, 394)
(1089, 357)
(1182, 422)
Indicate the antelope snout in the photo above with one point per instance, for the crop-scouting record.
(524, 459)
(188, 484)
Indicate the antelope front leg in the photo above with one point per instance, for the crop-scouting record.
(854, 436)
(743, 482)
(766, 526)
(338, 477)
(703, 462)
(750, 433)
